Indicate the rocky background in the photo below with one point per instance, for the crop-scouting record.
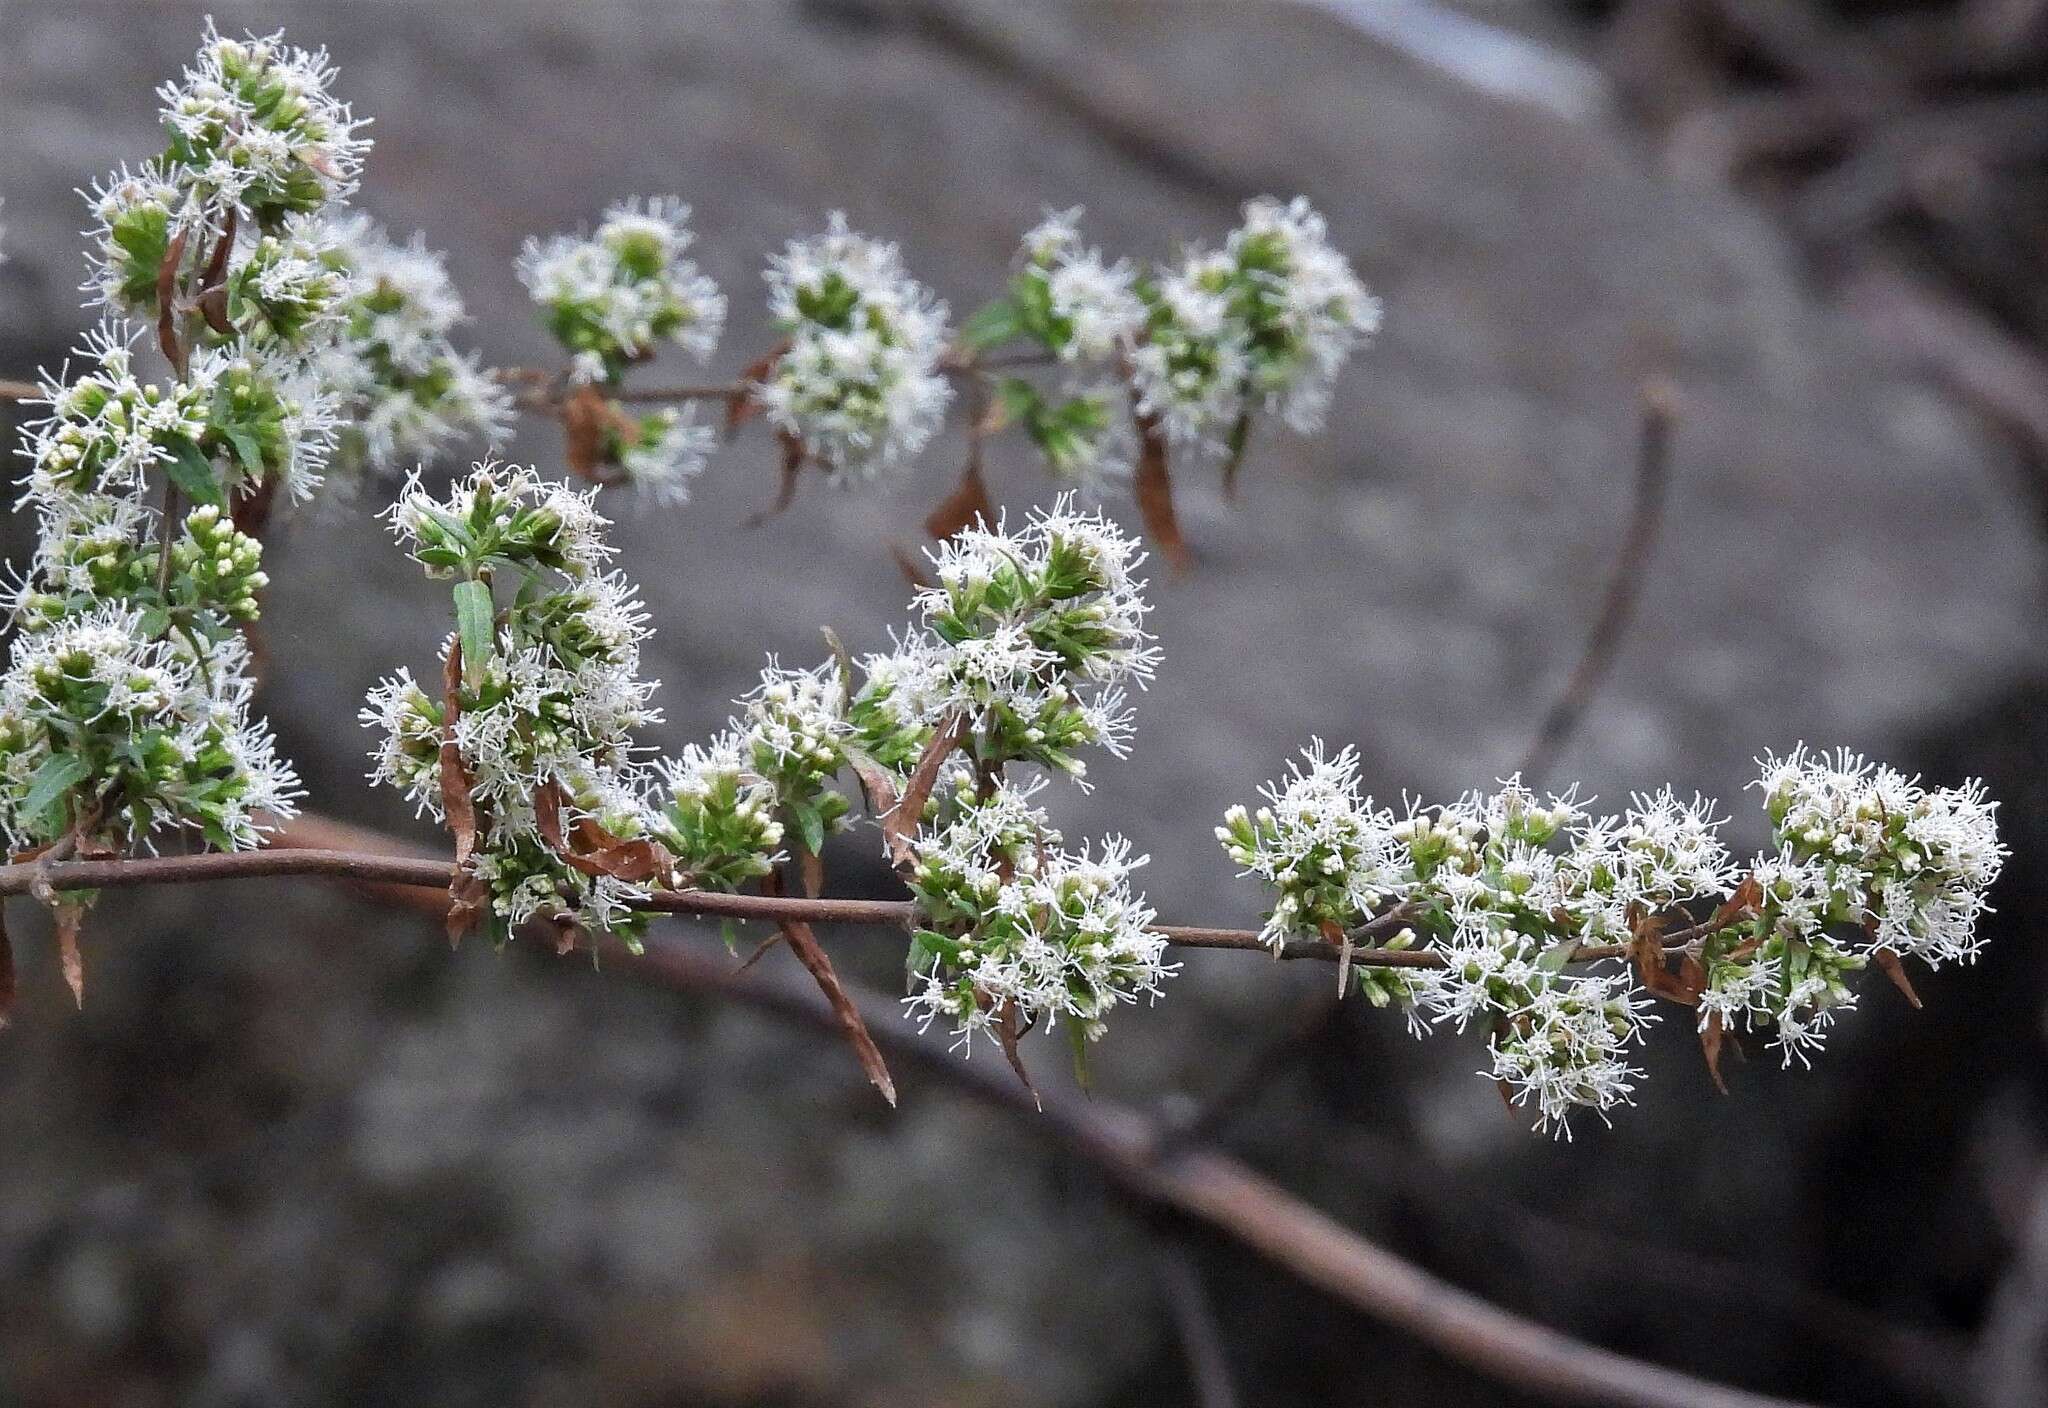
(294, 1151)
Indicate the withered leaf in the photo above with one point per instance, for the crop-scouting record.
(1008, 1031)
(966, 505)
(457, 804)
(900, 822)
(1896, 971)
(1712, 1034)
(877, 784)
(213, 306)
(804, 944)
(743, 405)
(1153, 488)
(166, 300)
(1682, 987)
(913, 571)
(586, 415)
(70, 918)
(791, 473)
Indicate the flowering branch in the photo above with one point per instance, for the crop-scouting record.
(303, 342)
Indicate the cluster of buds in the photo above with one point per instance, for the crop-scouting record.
(859, 382)
(1507, 888)
(254, 126)
(720, 821)
(540, 701)
(1268, 320)
(1028, 637)
(1015, 932)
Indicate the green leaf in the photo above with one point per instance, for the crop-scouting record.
(992, 326)
(811, 824)
(59, 773)
(247, 451)
(474, 614)
(192, 471)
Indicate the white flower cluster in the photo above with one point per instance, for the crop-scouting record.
(1015, 930)
(1086, 314)
(660, 453)
(546, 699)
(1868, 862)
(860, 381)
(1030, 637)
(1091, 311)
(1506, 888)
(110, 728)
(405, 391)
(253, 125)
(612, 297)
(1267, 320)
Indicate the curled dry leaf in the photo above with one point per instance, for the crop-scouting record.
(1008, 1032)
(70, 918)
(166, 302)
(1152, 486)
(588, 847)
(804, 944)
(967, 504)
(587, 416)
(1889, 961)
(743, 405)
(791, 473)
(467, 893)
(900, 822)
(1712, 1034)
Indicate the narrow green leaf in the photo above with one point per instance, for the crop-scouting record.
(811, 824)
(192, 471)
(474, 613)
(59, 773)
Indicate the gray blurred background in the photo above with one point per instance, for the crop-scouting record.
(295, 1152)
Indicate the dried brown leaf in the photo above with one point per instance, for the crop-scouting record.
(877, 783)
(1153, 489)
(586, 415)
(742, 406)
(1896, 971)
(899, 824)
(70, 918)
(791, 473)
(1712, 1035)
(166, 301)
(1008, 1032)
(965, 506)
(804, 944)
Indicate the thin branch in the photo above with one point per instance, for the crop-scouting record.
(20, 391)
(1624, 583)
(375, 867)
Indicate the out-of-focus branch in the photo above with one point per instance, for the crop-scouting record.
(1624, 582)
